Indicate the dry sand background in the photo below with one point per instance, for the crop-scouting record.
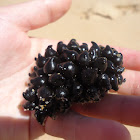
(114, 22)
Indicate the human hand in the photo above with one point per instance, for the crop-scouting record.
(17, 52)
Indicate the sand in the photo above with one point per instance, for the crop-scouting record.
(113, 22)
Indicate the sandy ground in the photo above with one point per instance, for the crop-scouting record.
(113, 22)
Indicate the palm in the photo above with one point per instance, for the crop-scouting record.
(18, 58)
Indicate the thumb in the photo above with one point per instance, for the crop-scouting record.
(34, 14)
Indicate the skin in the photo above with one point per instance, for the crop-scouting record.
(100, 121)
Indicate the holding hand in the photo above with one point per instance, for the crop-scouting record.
(17, 52)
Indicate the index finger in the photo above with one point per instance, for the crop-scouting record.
(73, 126)
(122, 108)
(130, 58)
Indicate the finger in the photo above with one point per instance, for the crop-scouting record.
(20, 129)
(73, 126)
(130, 58)
(35, 129)
(124, 109)
(34, 14)
(132, 84)
(13, 129)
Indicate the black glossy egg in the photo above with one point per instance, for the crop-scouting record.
(68, 69)
(95, 47)
(40, 116)
(32, 75)
(83, 59)
(115, 52)
(38, 81)
(30, 94)
(94, 51)
(114, 82)
(69, 55)
(56, 79)
(51, 66)
(101, 48)
(120, 79)
(120, 69)
(39, 71)
(61, 46)
(29, 105)
(73, 45)
(40, 61)
(111, 67)
(101, 64)
(45, 93)
(107, 52)
(118, 59)
(61, 93)
(83, 47)
(50, 52)
(104, 81)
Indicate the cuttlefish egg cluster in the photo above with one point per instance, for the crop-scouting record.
(72, 74)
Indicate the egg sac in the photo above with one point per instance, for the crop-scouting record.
(72, 74)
